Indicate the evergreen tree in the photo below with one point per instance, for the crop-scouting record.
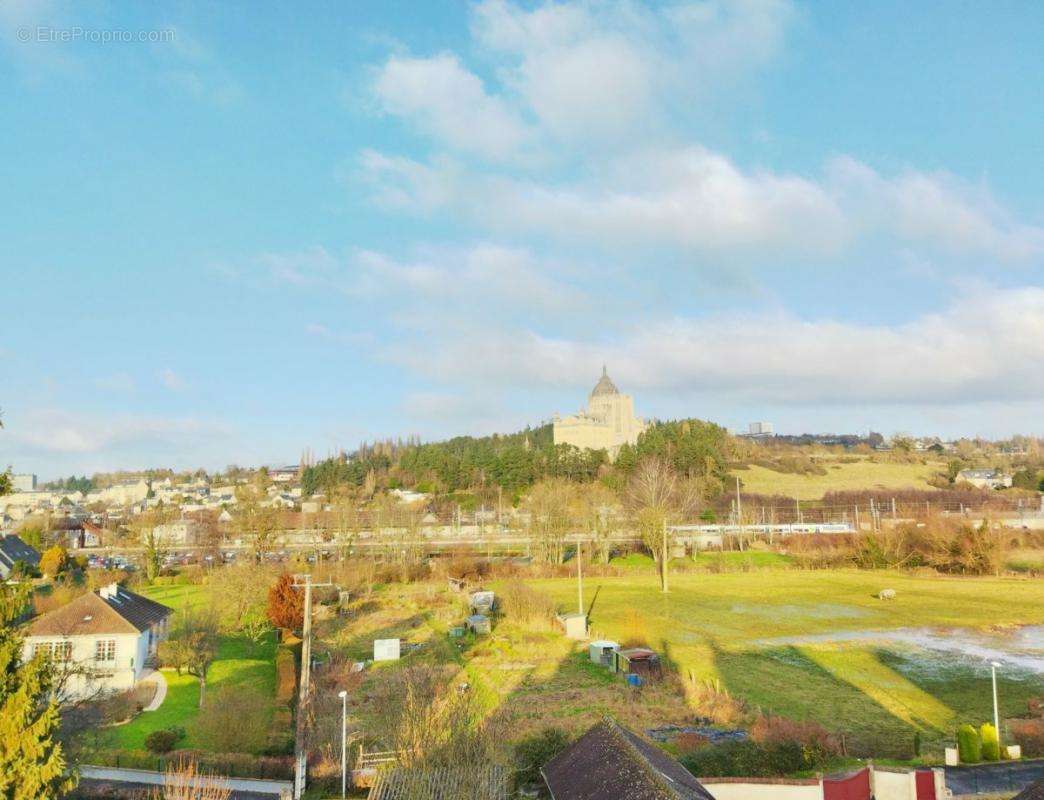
(32, 764)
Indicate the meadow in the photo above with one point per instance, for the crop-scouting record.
(840, 476)
(782, 641)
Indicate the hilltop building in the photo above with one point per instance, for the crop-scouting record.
(607, 423)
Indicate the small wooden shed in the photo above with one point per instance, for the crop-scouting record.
(639, 661)
(603, 652)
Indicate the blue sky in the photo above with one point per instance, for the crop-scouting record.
(255, 228)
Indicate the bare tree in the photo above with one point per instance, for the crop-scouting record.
(657, 497)
(255, 523)
(550, 508)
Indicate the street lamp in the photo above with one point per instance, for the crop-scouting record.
(996, 714)
(344, 742)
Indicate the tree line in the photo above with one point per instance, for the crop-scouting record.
(515, 462)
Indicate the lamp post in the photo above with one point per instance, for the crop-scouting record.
(996, 713)
(344, 742)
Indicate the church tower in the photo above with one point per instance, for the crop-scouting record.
(607, 423)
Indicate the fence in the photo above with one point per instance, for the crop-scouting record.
(233, 765)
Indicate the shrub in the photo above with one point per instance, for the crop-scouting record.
(1029, 735)
(286, 604)
(990, 742)
(524, 604)
(689, 741)
(163, 741)
(751, 759)
(810, 735)
(534, 751)
(969, 745)
(54, 561)
(286, 675)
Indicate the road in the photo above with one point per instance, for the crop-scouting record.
(999, 778)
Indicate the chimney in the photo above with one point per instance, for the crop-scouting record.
(109, 592)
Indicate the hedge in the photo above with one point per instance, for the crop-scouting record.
(990, 742)
(743, 759)
(230, 765)
(969, 745)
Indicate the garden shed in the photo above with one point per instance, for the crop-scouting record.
(482, 602)
(603, 652)
(385, 649)
(479, 623)
(574, 625)
(639, 661)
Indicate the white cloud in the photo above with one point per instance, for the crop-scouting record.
(690, 198)
(700, 201)
(598, 69)
(449, 102)
(52, 431)
(934, 209)
(987, 345)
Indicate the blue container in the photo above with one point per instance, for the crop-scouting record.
(634, 680)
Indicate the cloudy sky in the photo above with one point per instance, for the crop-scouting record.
(232, 231)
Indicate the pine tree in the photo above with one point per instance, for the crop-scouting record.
(32, 764)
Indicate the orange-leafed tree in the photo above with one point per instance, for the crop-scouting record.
(285, 604)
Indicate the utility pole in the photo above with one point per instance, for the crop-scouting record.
(663, 558)
(579, 574)
(739, 507)
(300, 753)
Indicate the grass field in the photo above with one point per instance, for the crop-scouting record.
(728, 629)
(742, 632)
(864, 474)
(239, 661)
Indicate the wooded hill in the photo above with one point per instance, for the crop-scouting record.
(515, 461)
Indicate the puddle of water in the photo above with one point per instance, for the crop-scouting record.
(1019, 648)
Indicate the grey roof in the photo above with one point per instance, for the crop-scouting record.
(1035, 791)
(604, 385)
(125, 612)
(611, 761)
(13, 549)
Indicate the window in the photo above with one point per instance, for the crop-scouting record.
(105, 650)
(57, 651)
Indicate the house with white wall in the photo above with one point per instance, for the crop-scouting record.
(103, 641)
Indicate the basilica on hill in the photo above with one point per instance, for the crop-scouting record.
(607, 423)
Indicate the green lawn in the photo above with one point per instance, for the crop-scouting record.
(720, 628)
(855, 475)
(239, 661)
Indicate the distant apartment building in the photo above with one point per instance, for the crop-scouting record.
(123, 494)
(23, 482)
(284, 474)
(180, 533)
(760, 429)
